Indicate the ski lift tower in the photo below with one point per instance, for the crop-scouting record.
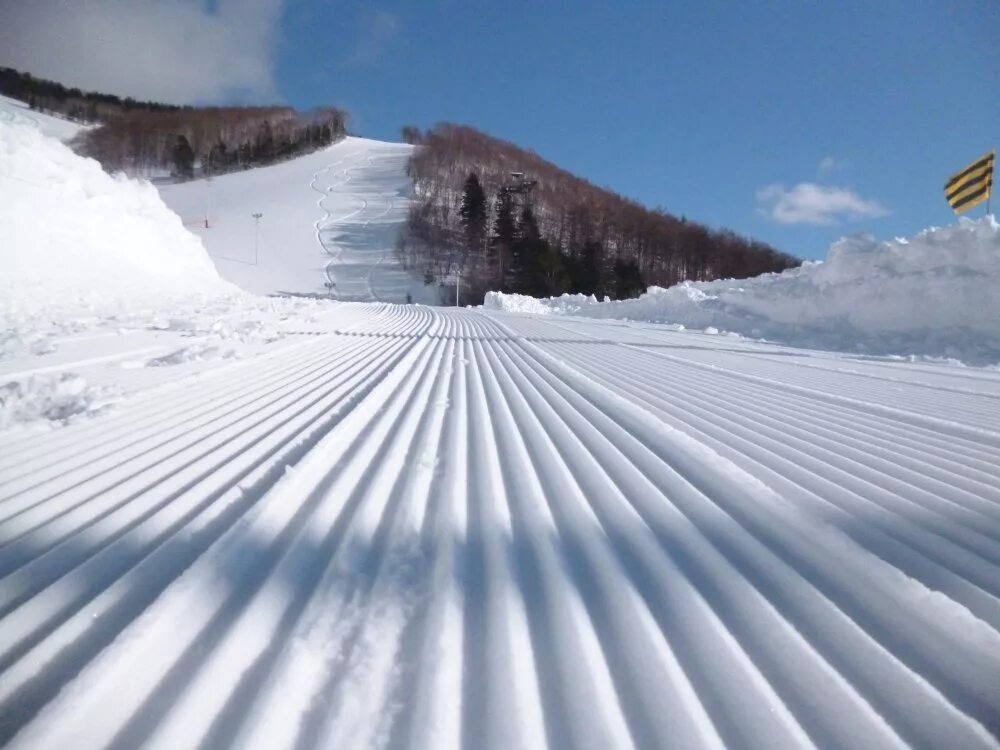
(519, 185)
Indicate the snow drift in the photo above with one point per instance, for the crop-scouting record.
(74, 238)
(933, 295)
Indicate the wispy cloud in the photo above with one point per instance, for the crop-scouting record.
(819, 205)
(378, 30)
(170, 50)
(831, 164)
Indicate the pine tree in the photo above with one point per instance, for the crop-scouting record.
(532, 258)
(473, 213)
(504, 233)
(522, 253)
(183, 158)
(588, 268)
(264, 146)
(628, 279)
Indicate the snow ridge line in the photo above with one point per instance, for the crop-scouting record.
(831, 359)
(948, 546)
(40, 448)
(911, 418)
(569, 375)
(948, 478)
(495, 537)
(278, 399)
(209, 509)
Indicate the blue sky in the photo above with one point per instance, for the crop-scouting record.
(793, 122)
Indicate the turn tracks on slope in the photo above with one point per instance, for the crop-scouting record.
(439, 529)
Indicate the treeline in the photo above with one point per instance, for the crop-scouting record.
(209, 140)
(71, 103)
(145, 138)
(503, 218)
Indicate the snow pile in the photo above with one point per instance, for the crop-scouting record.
(73, 238)
(55, 398)
(932, 295)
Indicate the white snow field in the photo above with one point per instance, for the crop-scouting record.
(328, 226)
(934, 294)
(231, 521)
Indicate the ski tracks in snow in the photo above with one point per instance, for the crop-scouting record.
(356, 250)
(435, 528)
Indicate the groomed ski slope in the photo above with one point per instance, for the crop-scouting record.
(329, 223)
(410, 527)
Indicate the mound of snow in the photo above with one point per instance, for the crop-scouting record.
(52, 398)
(934, 295)
(73, 238)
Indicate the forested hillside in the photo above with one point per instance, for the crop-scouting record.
(72, 103)
(506, 219)
(210, 139)
(142, 138)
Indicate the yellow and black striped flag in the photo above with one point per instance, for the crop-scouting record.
(972, 185)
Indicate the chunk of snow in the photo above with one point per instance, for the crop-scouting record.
(55, 398)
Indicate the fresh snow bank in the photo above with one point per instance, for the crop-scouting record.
(933, 295)
(73, 238)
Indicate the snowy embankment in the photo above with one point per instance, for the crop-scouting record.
(932, 295)
(88, 258)
(78, 239)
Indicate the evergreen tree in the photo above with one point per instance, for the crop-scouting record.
(588, 268)
(263, 152)
(552, 265)
(504, 233)
(525, 271)
(628, 279)
(473, 213)
(218, 159)
(183, 158)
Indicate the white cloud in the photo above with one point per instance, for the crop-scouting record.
(169, 50)
(821, 205)
(378, 30)
(830, 164)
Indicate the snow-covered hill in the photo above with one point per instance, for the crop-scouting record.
(328, 225)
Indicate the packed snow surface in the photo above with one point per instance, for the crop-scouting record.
(401, 526)
(934, 294)
(232, 521)
(329, 223)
